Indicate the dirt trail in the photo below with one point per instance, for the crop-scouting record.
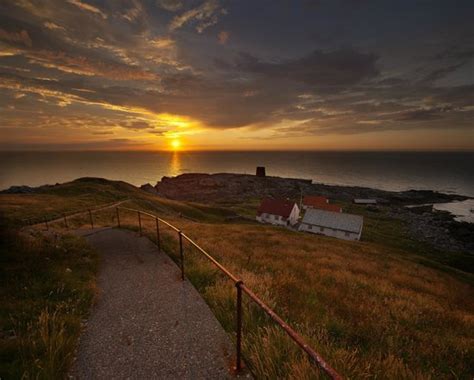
(147, 323)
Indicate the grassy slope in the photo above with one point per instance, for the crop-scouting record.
(369, 307)
(47, 287)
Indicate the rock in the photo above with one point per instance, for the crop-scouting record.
(19, 190)
(148, 188)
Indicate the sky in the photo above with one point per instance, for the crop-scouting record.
(236, 75)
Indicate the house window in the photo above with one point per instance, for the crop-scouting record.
(347, 233)
(321, 229)
(310, 227)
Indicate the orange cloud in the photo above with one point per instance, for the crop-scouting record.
(87, 7)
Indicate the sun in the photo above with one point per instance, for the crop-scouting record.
(175, 144)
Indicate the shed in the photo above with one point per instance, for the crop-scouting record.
(329, 223)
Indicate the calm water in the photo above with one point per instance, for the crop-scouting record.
(446, 172)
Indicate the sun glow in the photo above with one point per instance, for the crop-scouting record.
(175, 144)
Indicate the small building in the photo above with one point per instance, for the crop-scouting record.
(329, 223)
(319, 202)
(278, 211)
(260, 172)
(365, 201)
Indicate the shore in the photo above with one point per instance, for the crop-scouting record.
(424, 223)
(438, 228)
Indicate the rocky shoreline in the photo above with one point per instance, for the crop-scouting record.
(435, 227)
(202, 187)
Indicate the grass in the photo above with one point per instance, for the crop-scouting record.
(367, 308)
(47, 288)
(384, 307)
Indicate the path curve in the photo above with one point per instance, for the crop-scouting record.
(147, 323)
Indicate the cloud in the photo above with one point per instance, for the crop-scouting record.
(343, 67)
(223, 37)
(163, 42)
(204, 15)
(22, 37)
(82, 65)
(52, 26)
(170, 5)
(424, 114)
(87, 7)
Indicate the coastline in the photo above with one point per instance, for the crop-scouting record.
(436, 227)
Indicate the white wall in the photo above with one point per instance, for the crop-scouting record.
(329, 232)
(294, 215)
(272, 219)
(279, 220)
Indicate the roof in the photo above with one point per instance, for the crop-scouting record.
(328, 207)
(365, 201)
(335, 220)
(280, 207)
(321, 203)
(314, 200)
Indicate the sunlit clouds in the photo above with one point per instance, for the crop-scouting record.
(216, 74)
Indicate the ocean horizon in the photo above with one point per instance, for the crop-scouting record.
(448, 172)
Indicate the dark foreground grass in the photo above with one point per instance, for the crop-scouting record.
(47, 286)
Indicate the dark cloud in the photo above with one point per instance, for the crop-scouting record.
(342, 67)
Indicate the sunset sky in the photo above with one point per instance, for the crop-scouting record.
(222, 75)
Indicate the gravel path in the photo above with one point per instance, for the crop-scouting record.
(147, 323)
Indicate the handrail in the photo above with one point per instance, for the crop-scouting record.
(151, 215)
(63, 216)
(314, 357)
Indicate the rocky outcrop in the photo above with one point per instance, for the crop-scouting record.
(227, 187)
(149, 188)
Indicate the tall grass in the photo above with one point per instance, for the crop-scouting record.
(370, 312)
(47, 288)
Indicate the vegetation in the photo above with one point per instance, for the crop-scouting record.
(47, 288)
(379, 308)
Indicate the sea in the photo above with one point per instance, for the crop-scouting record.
(448, 172)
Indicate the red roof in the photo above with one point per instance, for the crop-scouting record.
(280, 207)
(314, 200)
(321, 203)
(328, 207)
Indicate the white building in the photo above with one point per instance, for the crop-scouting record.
(278, 211)
(329, 223)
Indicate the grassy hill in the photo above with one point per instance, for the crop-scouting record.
(380, 308)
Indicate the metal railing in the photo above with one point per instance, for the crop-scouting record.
(314, 357)
(58, 217)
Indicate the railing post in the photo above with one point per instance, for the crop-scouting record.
(238, 320)
(90, 217)
(46, 223)
(139, 222)
(158, 234)
(181, 254)
(65, 222)
(118, 217)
